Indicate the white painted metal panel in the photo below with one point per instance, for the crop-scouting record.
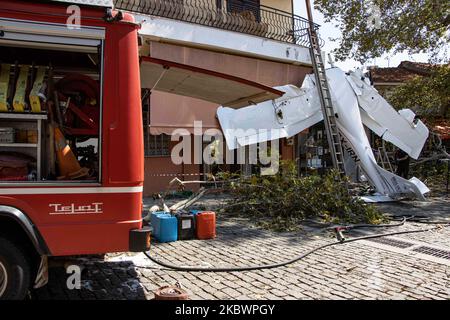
(96, 3)
(50, 29)
(378, 115)
(50, 36)
(271, 120)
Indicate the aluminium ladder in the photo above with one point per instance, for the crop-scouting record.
(329, 117)
(383, 158)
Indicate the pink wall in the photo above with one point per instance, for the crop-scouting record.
(159, 171)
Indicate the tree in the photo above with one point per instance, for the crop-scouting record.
(371, 28)
(427, 95)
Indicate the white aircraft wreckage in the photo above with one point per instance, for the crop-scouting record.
(355, 103)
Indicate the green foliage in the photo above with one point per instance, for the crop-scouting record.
(416, 26)
(427, 95)
(287, 199)
(434, 174)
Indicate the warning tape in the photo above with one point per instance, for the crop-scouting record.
(179, 174)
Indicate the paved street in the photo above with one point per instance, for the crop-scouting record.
(408, 266)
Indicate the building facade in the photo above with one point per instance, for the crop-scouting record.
(258, 40)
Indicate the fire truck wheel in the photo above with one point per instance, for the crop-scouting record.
(14, 271)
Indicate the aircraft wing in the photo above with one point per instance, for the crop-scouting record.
(297, 110)
(355, 102)
(399, 128)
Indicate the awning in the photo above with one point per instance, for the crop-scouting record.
(169, 112)
(219, 88)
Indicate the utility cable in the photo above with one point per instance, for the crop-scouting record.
(356, 226)
(341, 240)
(420, 219)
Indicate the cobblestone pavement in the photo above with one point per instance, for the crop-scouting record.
(356, 270)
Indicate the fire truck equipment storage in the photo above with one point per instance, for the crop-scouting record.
(71, 181)
(58, 87)
(98, 125)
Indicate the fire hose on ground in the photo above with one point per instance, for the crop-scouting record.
(340, 240)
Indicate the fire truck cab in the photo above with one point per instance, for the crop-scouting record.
(71, 133)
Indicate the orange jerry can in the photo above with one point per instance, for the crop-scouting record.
(206, 225)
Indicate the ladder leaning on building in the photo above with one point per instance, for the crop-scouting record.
(333, 136)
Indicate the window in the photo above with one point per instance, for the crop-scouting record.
(249, 9)
(154, 145)
(157, 145)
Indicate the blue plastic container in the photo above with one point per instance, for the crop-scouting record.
(165, 227)
(153, 217)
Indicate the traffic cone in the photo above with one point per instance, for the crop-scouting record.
(68, 165)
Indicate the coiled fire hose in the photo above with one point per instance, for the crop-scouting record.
(341, 240)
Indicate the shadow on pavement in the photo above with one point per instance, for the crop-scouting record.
(99, 281)
(435, 208)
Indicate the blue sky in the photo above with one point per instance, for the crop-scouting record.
(327, 30)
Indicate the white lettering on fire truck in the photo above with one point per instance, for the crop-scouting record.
(93, 208)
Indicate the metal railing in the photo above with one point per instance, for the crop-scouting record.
(244, 17)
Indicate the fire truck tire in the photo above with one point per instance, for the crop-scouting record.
(15, 271)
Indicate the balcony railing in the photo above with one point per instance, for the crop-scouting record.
(244, 17)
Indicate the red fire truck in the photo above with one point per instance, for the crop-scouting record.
(71, 133)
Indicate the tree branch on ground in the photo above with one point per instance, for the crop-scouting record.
(283, 200)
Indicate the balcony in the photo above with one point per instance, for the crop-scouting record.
(238, 16)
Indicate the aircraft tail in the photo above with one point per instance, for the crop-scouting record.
(397, 187)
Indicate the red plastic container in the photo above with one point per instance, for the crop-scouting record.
(206, 225)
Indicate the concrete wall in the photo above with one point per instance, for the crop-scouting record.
(159, 171)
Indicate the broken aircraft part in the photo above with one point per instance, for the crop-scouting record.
(356, 103)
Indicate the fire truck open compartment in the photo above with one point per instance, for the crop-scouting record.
(50, 108)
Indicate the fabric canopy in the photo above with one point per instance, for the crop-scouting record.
(220, 88)
(170, 112)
